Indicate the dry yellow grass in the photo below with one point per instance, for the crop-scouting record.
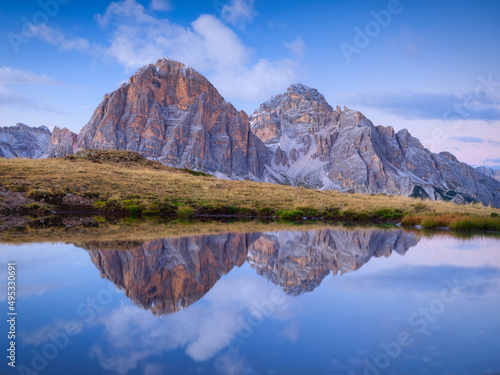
(148, 186)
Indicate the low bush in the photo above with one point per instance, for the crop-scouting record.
(185, 213)
(412, 220)
(290, 215)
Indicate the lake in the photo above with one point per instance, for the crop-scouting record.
(317, 301)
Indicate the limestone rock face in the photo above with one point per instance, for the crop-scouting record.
(489, 172)
(62, 143)
(319, 147)
(299, 261)
(171, 113)
(22, 141)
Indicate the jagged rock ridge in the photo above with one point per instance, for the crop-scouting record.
(22, 141)
(319, 147)
(495, 173)
(62, 143)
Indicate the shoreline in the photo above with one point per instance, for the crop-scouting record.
(122, 184)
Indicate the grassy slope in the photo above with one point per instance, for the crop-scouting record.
(150, 188)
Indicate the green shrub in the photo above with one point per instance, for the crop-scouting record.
(100, 205)
(135, 210)
(99, 219)
(266, 211)
(290, 215)
(494, 214)
(185, 213)
(349, 214)
(388, 213)
(33, 207)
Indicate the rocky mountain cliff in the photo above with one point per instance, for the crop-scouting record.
(22, 141)
(63, 142)
(319, 147)
(165, 276)
(495, 173)
(171, 113)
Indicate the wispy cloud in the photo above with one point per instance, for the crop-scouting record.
(161, 5)
(41, 334)
(492, 161)
(414, 105)
(138, 37)
(239, 12)
(63, 41)
(11, 76)
(297, 47)
(475, 140)
(202, 331)
(10, 97)
(468, 139)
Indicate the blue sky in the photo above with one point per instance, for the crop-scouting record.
(432, 67)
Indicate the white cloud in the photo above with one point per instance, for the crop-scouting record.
(12, 98)
(297, 47)
(138, 38)
(126, 10)
(239, 12)
(161, 5)
(61, 40)
(202, 330)
(10, 76)
(41, 335)
(227, 364)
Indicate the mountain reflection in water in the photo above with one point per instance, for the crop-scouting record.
(169, 275)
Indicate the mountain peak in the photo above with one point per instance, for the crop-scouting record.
(300, 87)
(306, 92)
(171, 113)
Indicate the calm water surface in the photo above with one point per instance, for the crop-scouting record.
(330, 301)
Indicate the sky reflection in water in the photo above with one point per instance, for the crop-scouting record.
(260, 304)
